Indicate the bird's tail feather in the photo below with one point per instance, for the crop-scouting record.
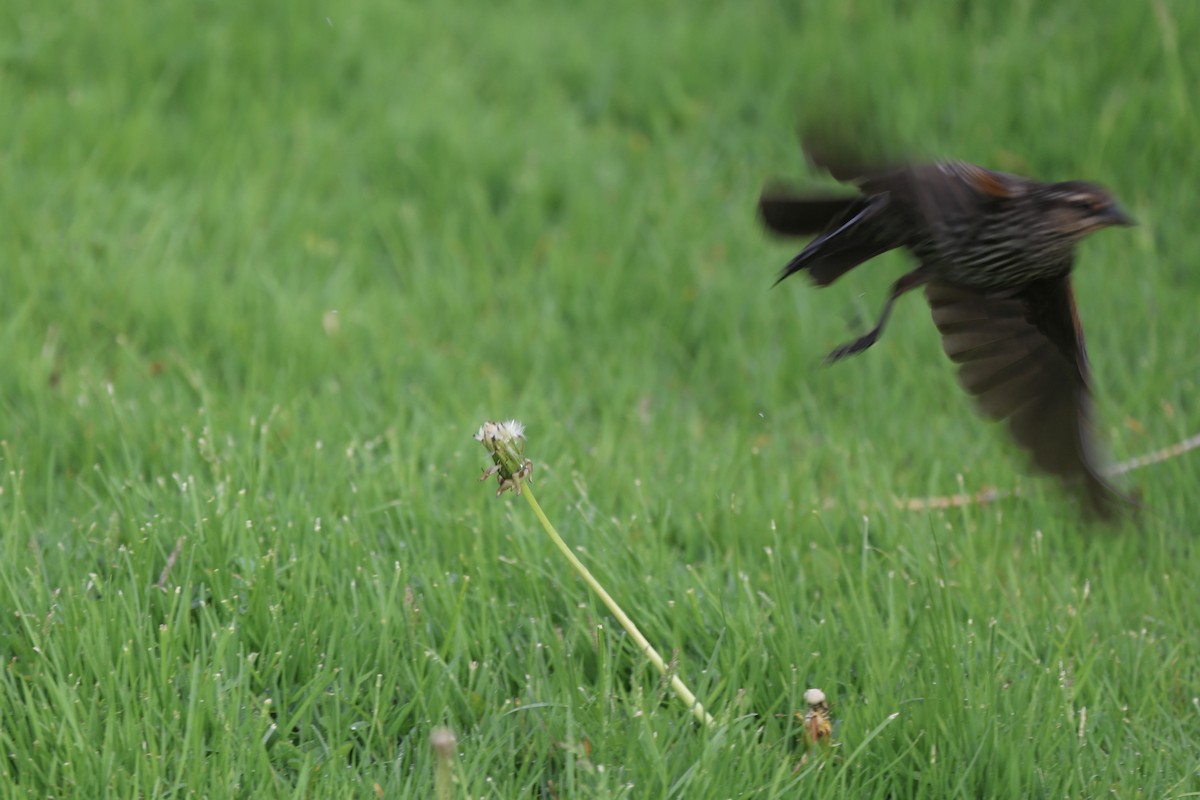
(792, 215)
(851, 232)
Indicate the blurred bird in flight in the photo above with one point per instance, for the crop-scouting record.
(994, 254)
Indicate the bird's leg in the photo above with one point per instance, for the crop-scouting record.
(906, 282)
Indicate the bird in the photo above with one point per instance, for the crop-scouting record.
(994, 254)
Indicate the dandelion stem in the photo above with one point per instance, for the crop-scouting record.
(444, 744)
(681, 690)
(506, 443)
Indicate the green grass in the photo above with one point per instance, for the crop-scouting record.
(266, 267)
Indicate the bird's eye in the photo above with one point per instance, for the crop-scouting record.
(1088, 205)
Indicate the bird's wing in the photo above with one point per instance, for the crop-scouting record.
(929, 194)
(843, 162)
(1022, 356)
(948, 193)
(931, 186)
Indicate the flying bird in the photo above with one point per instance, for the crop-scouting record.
(994, 254)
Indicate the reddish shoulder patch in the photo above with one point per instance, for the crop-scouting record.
(986, 181)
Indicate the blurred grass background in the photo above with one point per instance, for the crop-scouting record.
(267, 267)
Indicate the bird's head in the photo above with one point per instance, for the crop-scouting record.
(1077, 208)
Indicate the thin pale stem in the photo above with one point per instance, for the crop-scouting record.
(984, 496)
(682, 691)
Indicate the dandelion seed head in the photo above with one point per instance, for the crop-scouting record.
(486, 432)
(506, 442)
(511, 432)
(814, 697)
(443, 741)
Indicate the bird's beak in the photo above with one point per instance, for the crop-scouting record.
(1115, 215)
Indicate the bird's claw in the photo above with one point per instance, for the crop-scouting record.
(850, 349)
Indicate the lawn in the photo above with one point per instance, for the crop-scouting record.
(265, 269)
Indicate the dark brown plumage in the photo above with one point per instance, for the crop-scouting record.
(995, 253)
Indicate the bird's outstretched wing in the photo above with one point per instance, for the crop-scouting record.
(1022, 356)
(942, 192)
